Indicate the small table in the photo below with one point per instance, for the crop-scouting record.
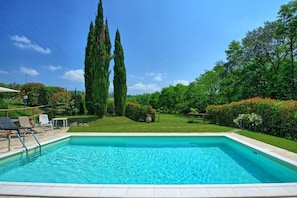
(64, 120)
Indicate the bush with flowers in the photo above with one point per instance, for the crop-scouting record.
(249, 121)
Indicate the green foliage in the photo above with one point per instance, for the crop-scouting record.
(139, 112)
(144, 99)
(3, 104)
(97, 59)
(277, 117)
(50, 90)
(60, 98)
(194, 110)
(154, 100)
(36, 92)
(172, 98)
(77, 103)
(88, 68)
(110, 107)
(73, 103)
(248, 121)
(71, 109)
(119, 80)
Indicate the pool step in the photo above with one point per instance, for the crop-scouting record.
(22, 140)
(31, 156)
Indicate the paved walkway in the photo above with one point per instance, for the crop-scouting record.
(43, 135)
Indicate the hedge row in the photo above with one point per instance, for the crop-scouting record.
(139, 112)
(279, 118)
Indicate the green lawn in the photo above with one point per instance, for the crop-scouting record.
(166, 123)
(286, 144)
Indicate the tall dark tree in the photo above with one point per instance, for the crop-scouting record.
(97, 65)
(119, 80)
(88, 69)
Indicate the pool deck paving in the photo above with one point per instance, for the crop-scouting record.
(19, 189)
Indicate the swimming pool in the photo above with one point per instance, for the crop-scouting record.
(147, 160)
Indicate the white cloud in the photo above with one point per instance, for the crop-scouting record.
(74, 75)
(136, 77)
(23, 42)
(145, 87)
(157, 76)
(30, 72)
(54, 68)
(183, 82)
(3, 72)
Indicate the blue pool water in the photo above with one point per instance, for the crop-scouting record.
(147, 160)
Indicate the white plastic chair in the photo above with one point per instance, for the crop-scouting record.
(45, 122)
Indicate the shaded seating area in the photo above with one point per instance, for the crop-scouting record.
(28, 124)
(10, 129)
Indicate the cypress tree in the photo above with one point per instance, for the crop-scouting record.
(105, 47)
(88, 69)
(107, 44)
(97, 61)
(119, 80)
(98, 64)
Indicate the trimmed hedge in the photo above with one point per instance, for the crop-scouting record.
(279, 117)
(139, 112)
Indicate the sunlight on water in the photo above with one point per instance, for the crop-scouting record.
(148, 160)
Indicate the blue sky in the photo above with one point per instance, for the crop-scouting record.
(165, 41)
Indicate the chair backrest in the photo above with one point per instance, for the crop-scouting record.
(25, 122)
(7, 124)
(43, 119)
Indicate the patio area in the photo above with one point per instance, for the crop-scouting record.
(43, 135)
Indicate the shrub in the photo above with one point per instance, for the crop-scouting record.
(36, 93)
(249, 121)
(110, 106)
(278, 118)
(61, 102)
(3, 104)
(138, 112)
(77, 104)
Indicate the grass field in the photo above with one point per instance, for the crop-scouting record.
(167, 123)
(286, 144)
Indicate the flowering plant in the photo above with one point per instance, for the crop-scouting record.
(251, 120)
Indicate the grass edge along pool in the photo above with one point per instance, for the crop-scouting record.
(270, 170)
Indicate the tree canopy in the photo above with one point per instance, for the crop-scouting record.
(263, 64)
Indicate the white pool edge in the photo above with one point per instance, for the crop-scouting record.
(222, 190)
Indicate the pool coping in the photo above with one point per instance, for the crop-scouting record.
(214, 190)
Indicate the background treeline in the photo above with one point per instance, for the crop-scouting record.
(263, 64)
(65, 102)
